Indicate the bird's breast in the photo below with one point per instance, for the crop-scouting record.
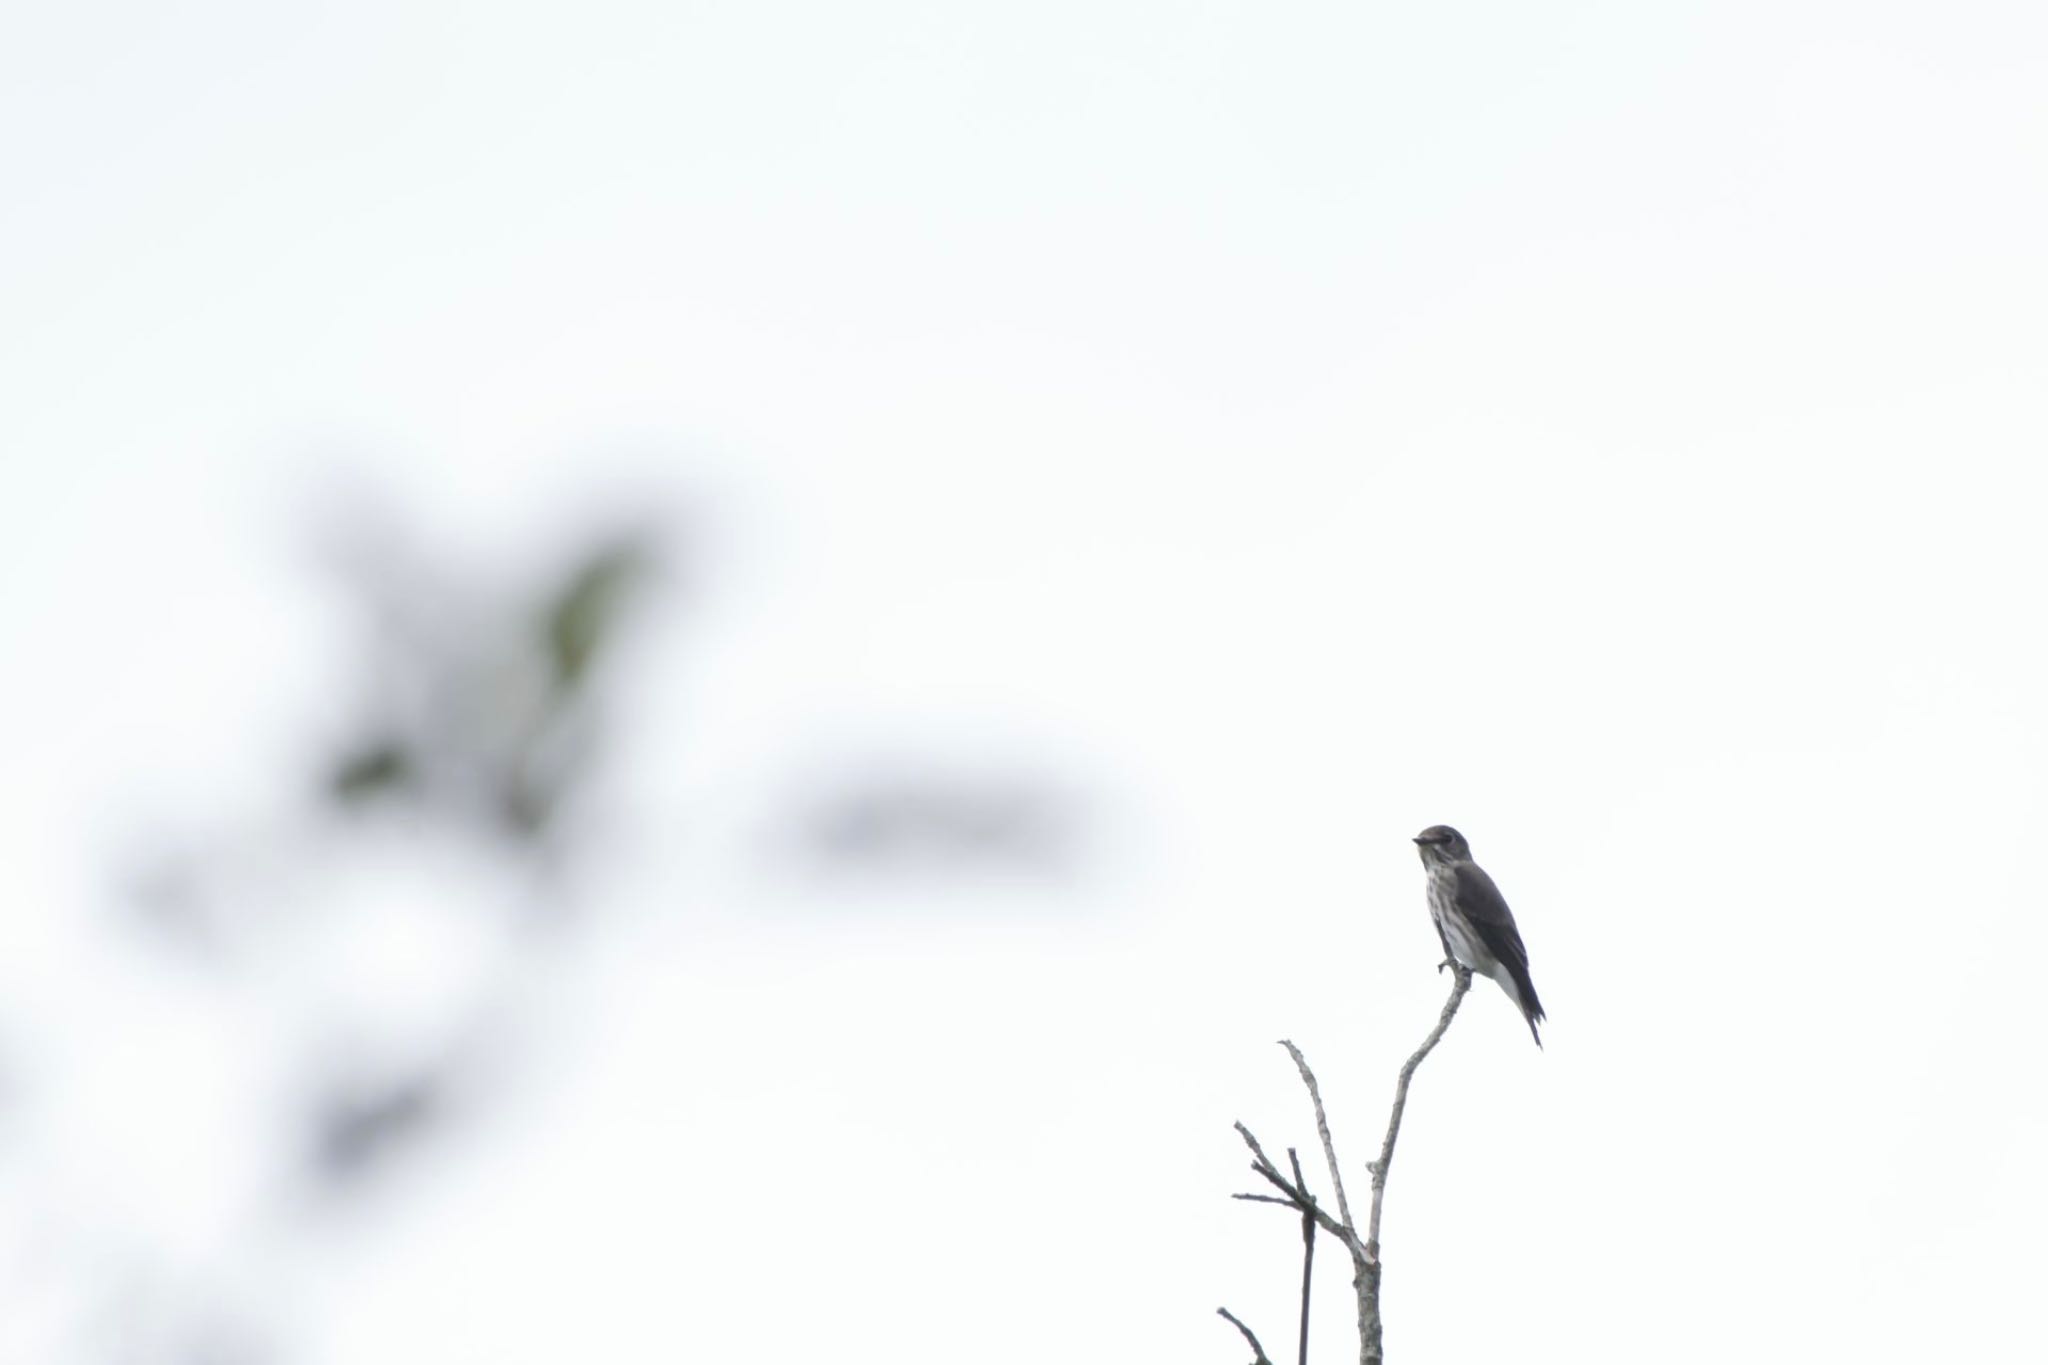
(1465, 943)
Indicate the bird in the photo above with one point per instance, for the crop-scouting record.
(1473, 920)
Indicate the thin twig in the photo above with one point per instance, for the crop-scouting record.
(1365, 1275)
(1365, 1252)
(1315, 1094)
(1371, 1350)
(1461, 984)
(1297, 1197)
(1258, 1351)
(1308, 1261)
(1260, 1152)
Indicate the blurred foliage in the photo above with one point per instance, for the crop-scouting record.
(583, 617)
(379, 768)
(924, 821)
(356, 1125)
(481, 708)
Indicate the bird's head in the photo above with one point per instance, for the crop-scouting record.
(1442, 844)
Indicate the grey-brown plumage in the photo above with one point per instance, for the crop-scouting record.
(1473, 920)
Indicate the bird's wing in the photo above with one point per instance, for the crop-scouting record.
(1486, 910)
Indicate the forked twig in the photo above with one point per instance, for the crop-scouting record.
(1296, 1197)
(1365, 1251)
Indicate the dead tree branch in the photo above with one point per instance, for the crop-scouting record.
(1258, 1351)
(1315, 1095)
(1370, 1350)
(1308, 1263)
(1296, 1196)
(1294, 1193)
(1462, 982)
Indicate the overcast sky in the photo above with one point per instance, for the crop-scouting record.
(1614, 429)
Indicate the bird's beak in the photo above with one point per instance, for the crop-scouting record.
(1422, 840)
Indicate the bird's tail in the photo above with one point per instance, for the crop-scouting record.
(1532, 1008)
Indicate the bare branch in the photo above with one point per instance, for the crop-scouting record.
(1365, 1251)
(1371, 1350)
(1365, 1273)
(1258, 1351)
(1297, 1197)
(1263, 1162)
(1315, 1094)
(1462, 982)
(1308, 1260)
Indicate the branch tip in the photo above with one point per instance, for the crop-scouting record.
(1258, 1351)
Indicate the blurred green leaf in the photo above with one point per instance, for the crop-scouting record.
(380, 769)
(578, 624)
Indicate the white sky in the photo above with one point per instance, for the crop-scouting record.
(1614, 429)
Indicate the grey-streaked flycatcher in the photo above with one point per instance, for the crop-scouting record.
(1473, 920)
